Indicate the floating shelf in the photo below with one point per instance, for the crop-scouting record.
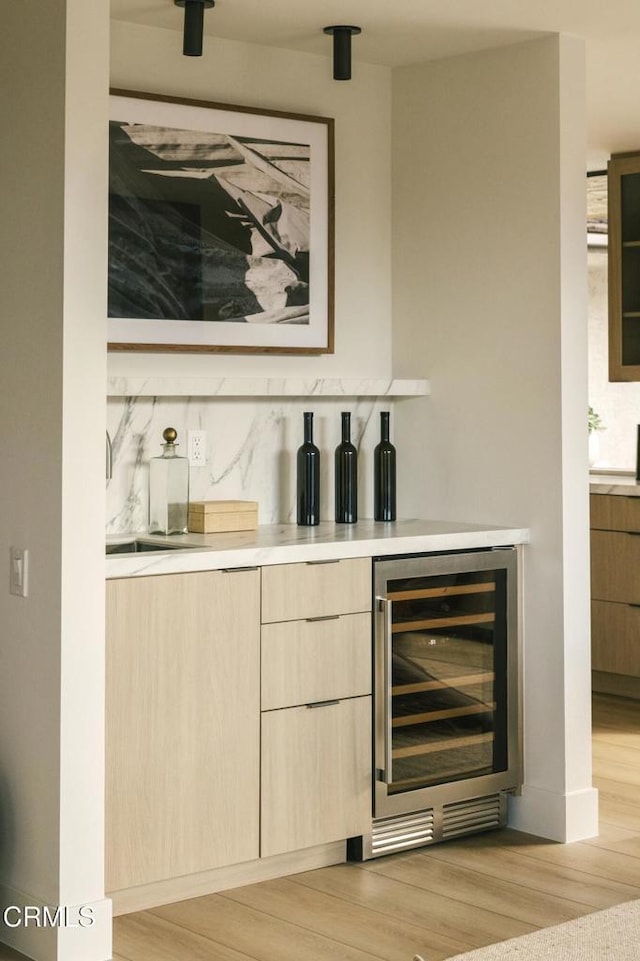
(262, 387)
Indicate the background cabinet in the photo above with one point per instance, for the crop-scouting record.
(615, 585)
(624, 267)
(183, 724)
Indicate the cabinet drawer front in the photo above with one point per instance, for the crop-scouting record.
(307, 661)
(614, 512)
(615, 567)
(316, 775)
(294, 591)
(615, 638)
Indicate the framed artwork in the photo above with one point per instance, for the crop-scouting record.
(220, 227)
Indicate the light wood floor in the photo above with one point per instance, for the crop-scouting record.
(437, 902)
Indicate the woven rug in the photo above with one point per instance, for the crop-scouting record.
(611, 935)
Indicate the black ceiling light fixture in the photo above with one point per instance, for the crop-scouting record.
(193, 25)
(342, 50)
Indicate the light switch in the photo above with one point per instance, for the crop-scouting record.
(18, 570)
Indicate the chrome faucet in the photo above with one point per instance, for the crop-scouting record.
(109, 452)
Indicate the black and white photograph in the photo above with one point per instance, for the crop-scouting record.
(220, 228)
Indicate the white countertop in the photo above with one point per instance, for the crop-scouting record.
(288, 543)
(614, 482)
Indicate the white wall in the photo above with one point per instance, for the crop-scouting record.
(52, 366)
(251, 445)
(490, 297)
(151, 60)
(617, 403)
(612, 72)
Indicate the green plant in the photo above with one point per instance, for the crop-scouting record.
(595, 422)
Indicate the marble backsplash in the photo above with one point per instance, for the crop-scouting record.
(251, 446)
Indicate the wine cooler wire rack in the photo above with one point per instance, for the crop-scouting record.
(456, 728)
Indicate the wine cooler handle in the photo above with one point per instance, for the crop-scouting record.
(383, 656)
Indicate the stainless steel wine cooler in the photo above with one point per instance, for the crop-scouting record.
(446, 698)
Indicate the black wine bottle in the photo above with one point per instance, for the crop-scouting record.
(308, 477)
(384, 474)
(346, 475)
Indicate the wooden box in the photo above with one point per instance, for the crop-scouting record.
(216, 517)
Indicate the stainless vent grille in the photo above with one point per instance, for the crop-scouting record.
(397, 834)
(478, 814)
(440, 823)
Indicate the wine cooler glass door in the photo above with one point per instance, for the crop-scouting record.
(443, 672)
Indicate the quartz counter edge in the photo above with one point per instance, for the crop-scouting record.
(622, 484)
(289, 544)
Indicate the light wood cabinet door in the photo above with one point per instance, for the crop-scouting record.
(316, 774)
(317, 660)
(615, 566)
(615, 512)
(316, 589)
(183, 724)
(615, 638)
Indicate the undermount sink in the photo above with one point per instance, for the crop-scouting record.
(139, 546)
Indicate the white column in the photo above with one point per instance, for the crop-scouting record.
(53, 161)
(489, 278)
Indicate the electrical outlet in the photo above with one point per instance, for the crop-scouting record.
(197, 445)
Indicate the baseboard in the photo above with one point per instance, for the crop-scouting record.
(558, 817)
(622, 685)
(222, 879)
(83, 931)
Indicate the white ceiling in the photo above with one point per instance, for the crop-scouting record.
(396, 32)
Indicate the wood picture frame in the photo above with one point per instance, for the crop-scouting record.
(221, 227)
